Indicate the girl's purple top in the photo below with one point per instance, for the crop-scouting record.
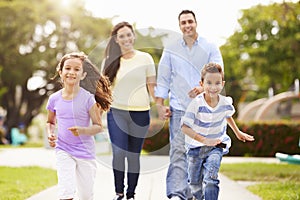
(70, 113)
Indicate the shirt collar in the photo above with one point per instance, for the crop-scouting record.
(195, 43)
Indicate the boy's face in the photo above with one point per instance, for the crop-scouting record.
(212, 84)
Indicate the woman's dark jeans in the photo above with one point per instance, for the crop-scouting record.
(127, 131)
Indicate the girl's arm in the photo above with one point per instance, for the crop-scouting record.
(96, 127)
(239, 134)
(191, 133)
(50, 126)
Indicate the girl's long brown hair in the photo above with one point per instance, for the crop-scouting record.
(94, 82)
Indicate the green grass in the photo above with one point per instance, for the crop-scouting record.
(275, 181)
(19, 183)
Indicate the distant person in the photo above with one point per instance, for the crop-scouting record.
(77, 114)
(177, 80)
(18, 135)
(3, 139)
(205, 123)
(133, 77)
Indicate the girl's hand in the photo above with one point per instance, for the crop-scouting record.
(244, 137)
(52, 140)
(74, 130)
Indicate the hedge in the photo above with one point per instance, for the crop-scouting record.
(270, 137)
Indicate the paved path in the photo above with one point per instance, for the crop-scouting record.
(151, 183)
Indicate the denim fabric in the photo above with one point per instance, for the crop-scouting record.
(127, 131)
(203, 167)
(177, 177)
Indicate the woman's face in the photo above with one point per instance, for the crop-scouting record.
(125, 38)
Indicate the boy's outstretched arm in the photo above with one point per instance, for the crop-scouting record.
(239, 134)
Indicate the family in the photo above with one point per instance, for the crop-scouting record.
(190, 76)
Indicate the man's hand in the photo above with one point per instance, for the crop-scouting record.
(195, 91)
(164, 112)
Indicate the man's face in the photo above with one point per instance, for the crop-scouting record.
(188, 25)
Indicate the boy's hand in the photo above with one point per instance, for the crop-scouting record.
(244, 137)
(211, 142)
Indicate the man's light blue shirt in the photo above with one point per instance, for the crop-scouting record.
(179, 70)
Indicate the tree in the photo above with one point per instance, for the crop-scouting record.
(33, 38)
(264, 52)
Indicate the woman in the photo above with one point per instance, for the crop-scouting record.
(133, 77)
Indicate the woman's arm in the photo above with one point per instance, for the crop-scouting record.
(151, 83)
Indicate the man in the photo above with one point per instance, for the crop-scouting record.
(178, 77)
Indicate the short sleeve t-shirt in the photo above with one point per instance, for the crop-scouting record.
(207, 121)
(70, 113)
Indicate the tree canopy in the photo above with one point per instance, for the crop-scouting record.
(265, 52)
(34, 36)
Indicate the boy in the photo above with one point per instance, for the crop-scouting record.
(205, 123)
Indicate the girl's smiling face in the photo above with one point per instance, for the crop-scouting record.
(212, 84)
(72, 71)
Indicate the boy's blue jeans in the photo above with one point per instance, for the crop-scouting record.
(203, 167)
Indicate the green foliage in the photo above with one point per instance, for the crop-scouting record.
(264, 52)
(22, 182)
(270, 138)
(274, 181)
(157, 137)
(34, 35)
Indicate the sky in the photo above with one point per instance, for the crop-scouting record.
(217, 19)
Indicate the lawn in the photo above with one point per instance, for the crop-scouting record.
(274, 181)
(19, 183)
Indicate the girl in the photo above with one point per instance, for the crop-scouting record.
(73, 108)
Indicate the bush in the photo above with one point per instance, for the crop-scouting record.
(157, 139)
(270, 137)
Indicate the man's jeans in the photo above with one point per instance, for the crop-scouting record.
(203, 167)
(177, 177)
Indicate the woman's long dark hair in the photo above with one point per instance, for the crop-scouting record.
(113, 52)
